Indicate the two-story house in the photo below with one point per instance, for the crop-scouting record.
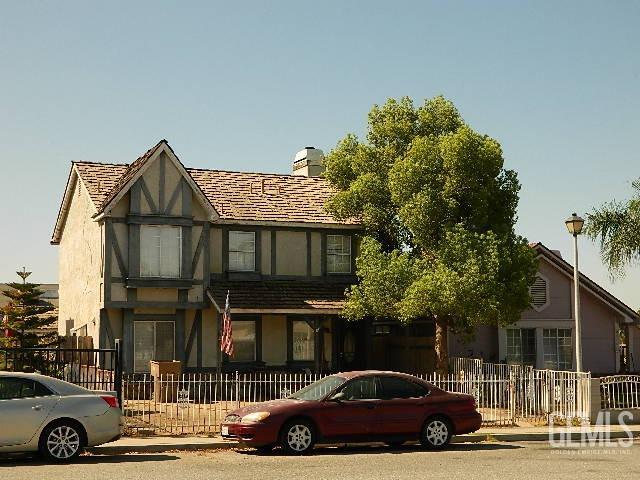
(148, 252)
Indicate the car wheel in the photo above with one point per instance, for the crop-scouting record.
(61, 442)
(436, 433)
(298, 437)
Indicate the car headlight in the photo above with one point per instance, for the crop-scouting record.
(255, 417)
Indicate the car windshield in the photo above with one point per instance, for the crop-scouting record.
(319, 389)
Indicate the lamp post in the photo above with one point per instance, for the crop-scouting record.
(574, 224)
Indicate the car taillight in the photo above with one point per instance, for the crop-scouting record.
(112, 401)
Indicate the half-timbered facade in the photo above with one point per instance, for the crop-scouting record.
(149, 251)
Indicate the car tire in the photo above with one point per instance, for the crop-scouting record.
(436, 433)
(298, 437)
(61, 441)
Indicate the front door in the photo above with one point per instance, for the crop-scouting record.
(24, 406)
(351, 346)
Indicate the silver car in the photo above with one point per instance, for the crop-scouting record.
(53, 417)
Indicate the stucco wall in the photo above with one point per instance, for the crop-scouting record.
(80, 264)
(210, 338)
(172, 179)
(157, 294)
(266, 253)
(559, 288)
(215, 235)
(316, 254)
(291, 253)
(189, 317)
(599, 343)
(484, 344)
(274, 339)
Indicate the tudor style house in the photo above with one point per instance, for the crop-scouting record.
(149, 251)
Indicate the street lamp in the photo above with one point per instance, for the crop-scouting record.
(574, 224)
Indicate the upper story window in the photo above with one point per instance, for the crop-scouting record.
(160, 251)
(242, 251)
(539, 292)
(338, 254)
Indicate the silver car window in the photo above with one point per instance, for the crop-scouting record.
(15, 387)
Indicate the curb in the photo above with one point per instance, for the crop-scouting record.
(529, 437)
(159, 448)
(226, 445)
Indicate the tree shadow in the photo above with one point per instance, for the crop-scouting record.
(15, 460)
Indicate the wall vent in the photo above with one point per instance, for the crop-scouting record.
(539, 293)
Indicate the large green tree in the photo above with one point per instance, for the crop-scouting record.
(25, 316)
(616, 226)
(438, 210)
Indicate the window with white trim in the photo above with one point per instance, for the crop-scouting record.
(242, 251)
(539, 293)
(558, 348)
(338, 254)
(521, 346)
(160, 251)
(152, 340)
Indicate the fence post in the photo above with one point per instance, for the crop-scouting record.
(237, 389)
(117, 372)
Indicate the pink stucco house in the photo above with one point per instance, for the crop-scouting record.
(545, 335)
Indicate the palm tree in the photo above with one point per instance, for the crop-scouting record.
(616, 225)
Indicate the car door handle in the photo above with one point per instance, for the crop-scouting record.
(370, 406)
(36, 407)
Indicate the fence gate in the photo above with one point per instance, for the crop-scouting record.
(92, 368)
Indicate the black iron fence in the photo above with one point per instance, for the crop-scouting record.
(91, 368)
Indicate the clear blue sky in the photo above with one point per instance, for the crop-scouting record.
(244, 85)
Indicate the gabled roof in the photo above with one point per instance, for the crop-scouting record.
(229, 196)
(585, 281)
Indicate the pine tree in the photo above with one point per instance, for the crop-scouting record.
(25, 317)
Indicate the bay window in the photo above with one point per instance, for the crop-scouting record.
(160, 251)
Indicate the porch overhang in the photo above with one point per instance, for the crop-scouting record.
(280, 296)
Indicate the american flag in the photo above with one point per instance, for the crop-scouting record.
(226, 340)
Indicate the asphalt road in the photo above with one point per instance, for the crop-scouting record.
(460, 461)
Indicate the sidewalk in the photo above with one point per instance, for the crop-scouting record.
(155, 444)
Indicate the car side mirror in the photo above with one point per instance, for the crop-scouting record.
(337, 397)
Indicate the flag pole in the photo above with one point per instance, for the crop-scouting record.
(219, 363)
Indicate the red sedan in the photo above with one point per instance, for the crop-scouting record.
(356, 407)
